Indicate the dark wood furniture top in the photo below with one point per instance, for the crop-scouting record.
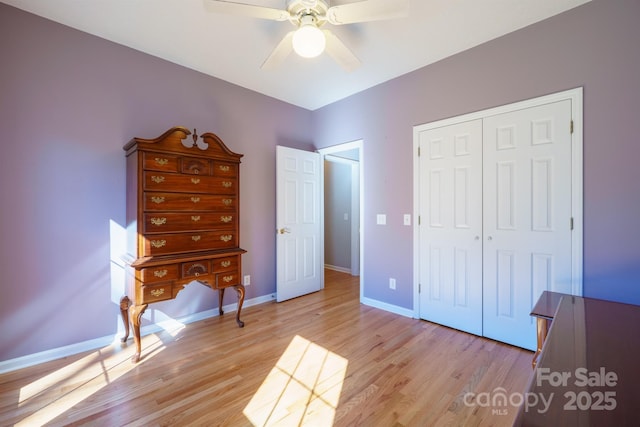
(547, 305)
(543, 311)
(588, 370)
(182, 221)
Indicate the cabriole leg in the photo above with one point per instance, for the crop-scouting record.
(220, 296)
(125, 302)
(136, 315)
(240, 290)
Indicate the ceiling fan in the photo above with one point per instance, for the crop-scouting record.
(309, 40)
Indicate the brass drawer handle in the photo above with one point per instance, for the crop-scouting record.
(227, 184)
(226, 238)
(227, 202)
(158, 221)
(158, 243)
(195, 238)
(225, 168)
(160, 273)
(157, 292)
(157, 200)
(195, 180)
(227, 279)
(161, 162)
(158, 179)
(225, 263)
(195, 218)
(226, 218)
(195, 199)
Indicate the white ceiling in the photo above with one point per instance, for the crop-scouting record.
(232, 48)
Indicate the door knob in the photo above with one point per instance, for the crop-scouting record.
(284, 230)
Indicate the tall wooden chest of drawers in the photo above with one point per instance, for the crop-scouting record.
(182, 221)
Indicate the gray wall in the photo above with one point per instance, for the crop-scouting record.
(337, 203)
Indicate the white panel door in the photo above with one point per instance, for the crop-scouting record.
(298, 222)
(451, 226)
(527, 216)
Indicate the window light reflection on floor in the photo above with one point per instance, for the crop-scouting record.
(302, 388)
(63, 389)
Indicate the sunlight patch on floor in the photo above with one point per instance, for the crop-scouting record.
(303, 387)
(63, 389)
(170, 325)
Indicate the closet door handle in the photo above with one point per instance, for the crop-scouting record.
(489, 238)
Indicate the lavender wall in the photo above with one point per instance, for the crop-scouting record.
(594, 46)
(68, 103)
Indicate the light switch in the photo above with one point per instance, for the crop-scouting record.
(346, 217)
(407, 219)
(381, 219)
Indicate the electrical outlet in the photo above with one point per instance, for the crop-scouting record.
(392, 284)
(247, 280)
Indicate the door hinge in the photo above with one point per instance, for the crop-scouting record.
(419, 288)
(571, 126)
(418, 219)
(418, 151)
(571, 223)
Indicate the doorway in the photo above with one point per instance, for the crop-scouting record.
(344, 160)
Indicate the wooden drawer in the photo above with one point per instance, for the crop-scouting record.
(226, 279)
(225, 264)
(166, 222)
(195, 269)
(225, 169)
(161, 244)
(159, 292)
(160, 162)
(155, 181)
(188, 202)
(157, 274)
(195, 166)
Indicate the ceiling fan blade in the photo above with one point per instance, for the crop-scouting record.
(340, 52)
(220, 6)
(369, 10)
(280, 52)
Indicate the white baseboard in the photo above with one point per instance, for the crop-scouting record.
(70, 350)
(336, 268)
(60, 352)
(387, 307)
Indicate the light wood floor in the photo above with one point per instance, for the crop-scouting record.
(322, 359)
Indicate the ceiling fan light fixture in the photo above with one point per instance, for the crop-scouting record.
(308, 40)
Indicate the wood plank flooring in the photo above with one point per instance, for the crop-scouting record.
(319, 360)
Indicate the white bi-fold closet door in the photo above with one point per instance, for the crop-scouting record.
(495, 206)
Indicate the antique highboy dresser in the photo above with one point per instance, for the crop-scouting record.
(182, 221)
